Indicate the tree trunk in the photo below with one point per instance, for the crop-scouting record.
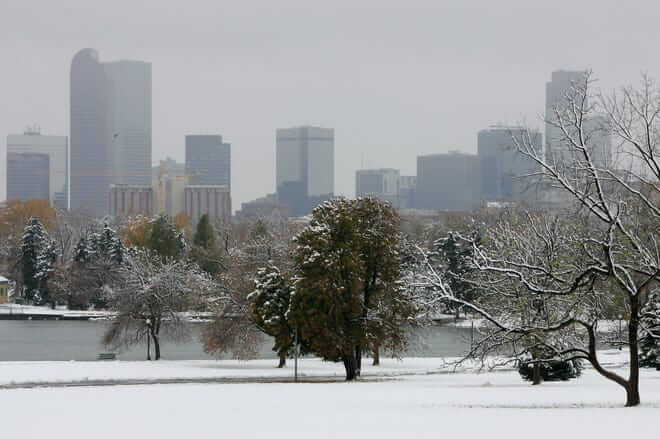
(358, 359)
(350, 365)
(537, 374)
(282, 361)
(632, 390)
(377, 356)
(156, 347)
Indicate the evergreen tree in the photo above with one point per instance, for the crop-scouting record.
(33, 238)
(81, 251)
(205, 250)
(270, 306)
(165, 240)
(347, 295)
(454, 255)
(204, 236)
(649, 344)
(45, 266)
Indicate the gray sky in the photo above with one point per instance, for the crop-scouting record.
(394, 78)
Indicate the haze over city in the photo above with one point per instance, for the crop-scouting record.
(393, 79)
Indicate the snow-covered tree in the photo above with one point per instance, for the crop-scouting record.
(151, 299)
(649, 343)
(32, 243)
(453, 257)
(613, 254)
(270, 305)
(348, 298)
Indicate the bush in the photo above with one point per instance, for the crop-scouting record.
(554, 370)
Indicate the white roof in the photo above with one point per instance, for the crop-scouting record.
(3, 279)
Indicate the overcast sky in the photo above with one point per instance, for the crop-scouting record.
(394, 78)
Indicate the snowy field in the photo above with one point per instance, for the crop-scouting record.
(415, 398)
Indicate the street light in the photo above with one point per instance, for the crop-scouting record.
(148, 322)
(620, 332)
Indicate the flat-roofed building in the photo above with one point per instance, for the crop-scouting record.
(212, 200)
(130, 200)
(448, 181)
(305, 167)
(32, 141)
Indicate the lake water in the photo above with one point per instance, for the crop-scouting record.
(24, 340)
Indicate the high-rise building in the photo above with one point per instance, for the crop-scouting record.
(208, 160)
(129, 118)
(563, 83)
(448, 181)
(305, 167)
(506, 174)
(56, 149)
(110, 128)
(28, 176)
(91, 159)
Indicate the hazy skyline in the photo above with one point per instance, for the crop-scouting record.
(394, 79)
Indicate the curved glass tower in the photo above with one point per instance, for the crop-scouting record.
(91, 158)
(110, 128)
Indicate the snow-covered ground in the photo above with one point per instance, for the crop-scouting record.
(466, 405)
(19, 373)
(7, 308)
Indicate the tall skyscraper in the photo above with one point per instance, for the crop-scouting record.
(55, 147)
(561, 84)
(110, 128)
(208, 160)
(503, 167)
(305, 167)
(448, 181)
(28, 176)
(129, 114)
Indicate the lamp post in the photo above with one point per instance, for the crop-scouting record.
(148, 322)
(295, 361)
(620, 331)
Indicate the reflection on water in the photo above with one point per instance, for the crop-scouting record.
(81, 340)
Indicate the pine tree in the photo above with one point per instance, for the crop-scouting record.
(32, 241)
(454, 255)
(165, 240)
(81, 251)
(270, 305)
(205, 251)
(204, 236)
(45, 265)
(649, 344)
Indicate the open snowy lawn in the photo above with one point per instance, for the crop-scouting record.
(41, 372)
(465, 405)
(14, 373)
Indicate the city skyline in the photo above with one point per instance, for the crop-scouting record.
(389, 96)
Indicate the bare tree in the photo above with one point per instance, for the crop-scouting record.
(151, 301)
(615, 251)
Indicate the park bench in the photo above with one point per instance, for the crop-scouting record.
(107, 356)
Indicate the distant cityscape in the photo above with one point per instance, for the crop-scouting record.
(104, 165)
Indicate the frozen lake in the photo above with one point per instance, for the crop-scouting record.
(24, 340)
